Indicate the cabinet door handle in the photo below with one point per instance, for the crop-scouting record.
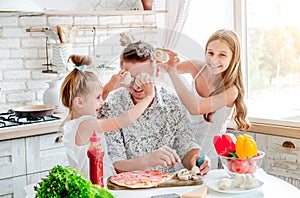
(288, 144)
(58, 139)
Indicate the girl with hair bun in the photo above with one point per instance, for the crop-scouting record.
(82, 93)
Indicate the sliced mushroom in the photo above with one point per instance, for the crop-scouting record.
(160, 55)
(184, 175)
(196, 177)
(175, 175)
(195, 170)
(224, 184)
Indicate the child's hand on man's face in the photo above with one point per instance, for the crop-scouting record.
(117, 80)
(145, 81)
(141, 67)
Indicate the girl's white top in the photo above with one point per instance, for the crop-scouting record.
(77, 155)
(205, 131)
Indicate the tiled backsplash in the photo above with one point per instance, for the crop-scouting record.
(23, 53)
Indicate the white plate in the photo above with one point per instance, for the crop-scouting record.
(212, 184)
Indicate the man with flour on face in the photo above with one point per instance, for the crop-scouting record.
(160, 138)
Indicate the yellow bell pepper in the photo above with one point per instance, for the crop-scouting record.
(245, 146)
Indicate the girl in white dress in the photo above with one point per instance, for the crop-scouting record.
(82, 93)
(217, 88)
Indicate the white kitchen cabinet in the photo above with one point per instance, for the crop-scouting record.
(26, 160)
(12, 158)
(42, 153)
(12, 168)
(35, 178)
(282, 155)
(12, 187)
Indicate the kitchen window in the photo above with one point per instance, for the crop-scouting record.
(270, 39)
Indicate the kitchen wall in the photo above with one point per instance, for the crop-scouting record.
(87, 4)
(22, 53)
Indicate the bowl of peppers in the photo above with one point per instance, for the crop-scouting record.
(238, 155)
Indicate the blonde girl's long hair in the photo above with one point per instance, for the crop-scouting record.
(75, 83)
(232, 76)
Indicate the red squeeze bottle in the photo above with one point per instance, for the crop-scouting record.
(95, 154)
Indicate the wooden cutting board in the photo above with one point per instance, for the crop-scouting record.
(168, 183)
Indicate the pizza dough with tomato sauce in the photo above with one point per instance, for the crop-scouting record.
(140, 178)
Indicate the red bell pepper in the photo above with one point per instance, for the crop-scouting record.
(224, 143)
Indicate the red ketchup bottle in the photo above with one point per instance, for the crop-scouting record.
(95, 154)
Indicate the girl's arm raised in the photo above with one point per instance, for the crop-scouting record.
(132, 114)
(206, 105)
(113, 83)
(190, 67)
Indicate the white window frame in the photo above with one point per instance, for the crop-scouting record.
(241, 29)
(240, 26)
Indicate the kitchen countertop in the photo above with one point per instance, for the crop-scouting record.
(33, 129)
(275, 129)
(272, 187)
(282, 128)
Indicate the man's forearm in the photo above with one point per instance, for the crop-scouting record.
(130, 165)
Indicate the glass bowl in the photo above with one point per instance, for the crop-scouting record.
(242, 166)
